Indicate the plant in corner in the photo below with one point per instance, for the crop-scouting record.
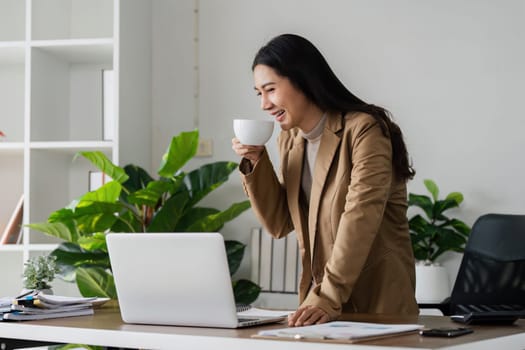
(39, 272)
(435, 233)
(136, 202)
(432, 235)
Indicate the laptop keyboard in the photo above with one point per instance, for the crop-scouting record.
(488, 314)
(490, 308)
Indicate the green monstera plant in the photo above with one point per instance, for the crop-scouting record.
(434, 233)
(136, 202)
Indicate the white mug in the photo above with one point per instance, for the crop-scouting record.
(253, 132)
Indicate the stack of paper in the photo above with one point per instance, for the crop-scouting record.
(38, 306)
(250, 311)
(341, 331)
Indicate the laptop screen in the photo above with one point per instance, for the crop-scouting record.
(172, 278)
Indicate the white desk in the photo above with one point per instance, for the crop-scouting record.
(106, 328)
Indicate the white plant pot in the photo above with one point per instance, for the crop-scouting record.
(432, 285)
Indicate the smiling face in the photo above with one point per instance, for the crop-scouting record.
(283, 101)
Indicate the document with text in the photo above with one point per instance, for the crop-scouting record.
(341, 330)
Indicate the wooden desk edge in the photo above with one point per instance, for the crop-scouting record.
(108, 324)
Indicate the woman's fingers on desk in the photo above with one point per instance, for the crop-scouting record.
(307, 315)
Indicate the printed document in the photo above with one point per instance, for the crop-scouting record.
(341, 330)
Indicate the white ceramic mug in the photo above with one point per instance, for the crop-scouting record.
(253, 132)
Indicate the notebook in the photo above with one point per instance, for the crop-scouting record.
(175, 279)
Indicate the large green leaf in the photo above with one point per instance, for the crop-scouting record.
(423, 202)
(460, 227)
(96, 282)
(64, 214)
(85, 208)
(441, 206)
(72, 254)
(107, 193)
(69, 256)
(150, 195)
(88, 217)
(419, 253)
(127, 221)
(419, 226)
(102, 162)
(449, 240)
(207, 178)
(193, 215)
(422, 253)
(95, 242)
(94, 212)
(235, 252)
(432, 188)
(214, 222)
(56, 229)
(245, 292)
(181, 149)
(138, 178)
(67, 273)
(167, 217)
(421, 234)
(456, 196)
(92, 223)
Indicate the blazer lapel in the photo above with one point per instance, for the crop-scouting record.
(293, 184)
(327, 149)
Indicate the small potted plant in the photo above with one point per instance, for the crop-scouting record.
(433, 234)
(39, 272)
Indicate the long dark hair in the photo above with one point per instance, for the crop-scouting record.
(297, 59)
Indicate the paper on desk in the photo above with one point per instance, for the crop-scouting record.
(341, 330)
(256, 312)
(64, 300)
(5, 305)
(5, 301)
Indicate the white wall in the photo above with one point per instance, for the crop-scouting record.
(451, 72)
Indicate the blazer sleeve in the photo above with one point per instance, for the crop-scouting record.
(267, 196)
(367, 195)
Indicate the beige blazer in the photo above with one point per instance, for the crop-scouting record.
(354, 238)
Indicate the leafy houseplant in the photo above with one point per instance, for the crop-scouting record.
(435, 233)
(135, 202)
(39, 272)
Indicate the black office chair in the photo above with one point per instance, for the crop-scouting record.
(491, 276)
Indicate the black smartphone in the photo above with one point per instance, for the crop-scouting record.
(445, 332)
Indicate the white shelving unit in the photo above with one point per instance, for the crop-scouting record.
(52, 54)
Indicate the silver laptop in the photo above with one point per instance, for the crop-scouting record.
(175, 279)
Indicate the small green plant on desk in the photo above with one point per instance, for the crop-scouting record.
(136, 202)
(434, 233)
(39, 272)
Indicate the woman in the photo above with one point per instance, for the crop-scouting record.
(344, 168)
